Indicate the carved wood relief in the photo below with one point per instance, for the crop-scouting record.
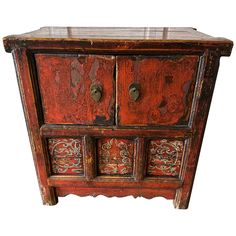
(66, 155)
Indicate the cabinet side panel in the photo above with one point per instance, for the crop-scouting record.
(205, 92)
(30, 110)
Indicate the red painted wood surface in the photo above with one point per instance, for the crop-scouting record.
(65, 81)
(66, 156)
(164, 157)
(166, 89)
(119, 192)
(165, 68)
(115, 156)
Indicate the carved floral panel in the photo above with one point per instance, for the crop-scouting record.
(66, 155)
(115, 156)
(164, 157)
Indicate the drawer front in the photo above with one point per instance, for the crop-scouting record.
(76, 89)
(155, 90)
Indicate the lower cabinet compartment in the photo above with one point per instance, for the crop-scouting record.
(117, 158)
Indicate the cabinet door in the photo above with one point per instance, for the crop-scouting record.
(155, 90)
(76, 89)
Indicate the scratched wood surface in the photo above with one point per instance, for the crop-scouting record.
(65, 82)
(166, 90)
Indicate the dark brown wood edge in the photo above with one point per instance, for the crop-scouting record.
(212, 64)
(35, 86)
(32, 120)
(197, 90)
(74, 130)
(139, 159)
(116, 46)
(89, 158)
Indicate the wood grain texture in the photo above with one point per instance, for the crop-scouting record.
(65, 82)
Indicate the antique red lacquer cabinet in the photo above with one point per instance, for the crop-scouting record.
(116, 111)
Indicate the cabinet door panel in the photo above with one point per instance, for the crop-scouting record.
(155, 90)
(76, 89)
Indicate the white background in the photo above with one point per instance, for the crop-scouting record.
(212, 208)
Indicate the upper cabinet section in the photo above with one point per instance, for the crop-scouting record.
(76, 89)
(155, 90)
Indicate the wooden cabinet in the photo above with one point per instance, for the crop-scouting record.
(116, 111)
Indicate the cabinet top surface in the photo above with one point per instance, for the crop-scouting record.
(123, 37)
(116, 33)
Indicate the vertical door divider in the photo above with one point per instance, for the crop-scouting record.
(89, 158)
(139, 159)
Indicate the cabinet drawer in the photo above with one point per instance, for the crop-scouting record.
(155, 90)
(76, 89)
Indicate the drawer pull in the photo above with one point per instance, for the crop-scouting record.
(134, 91)
(96, 92)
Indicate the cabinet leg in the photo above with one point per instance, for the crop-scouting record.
(182, 198)
(49, 196)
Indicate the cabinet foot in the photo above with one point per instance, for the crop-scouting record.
(49, 196)
(181, 201)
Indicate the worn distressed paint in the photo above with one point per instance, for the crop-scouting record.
(115, 156)
(66, 156)
(166, 89)
(65, 81)
(164, 157)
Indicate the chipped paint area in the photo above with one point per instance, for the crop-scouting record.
(166, 89)
(65, 82)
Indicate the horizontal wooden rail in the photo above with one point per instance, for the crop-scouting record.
(101, 131)
(115, 182)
